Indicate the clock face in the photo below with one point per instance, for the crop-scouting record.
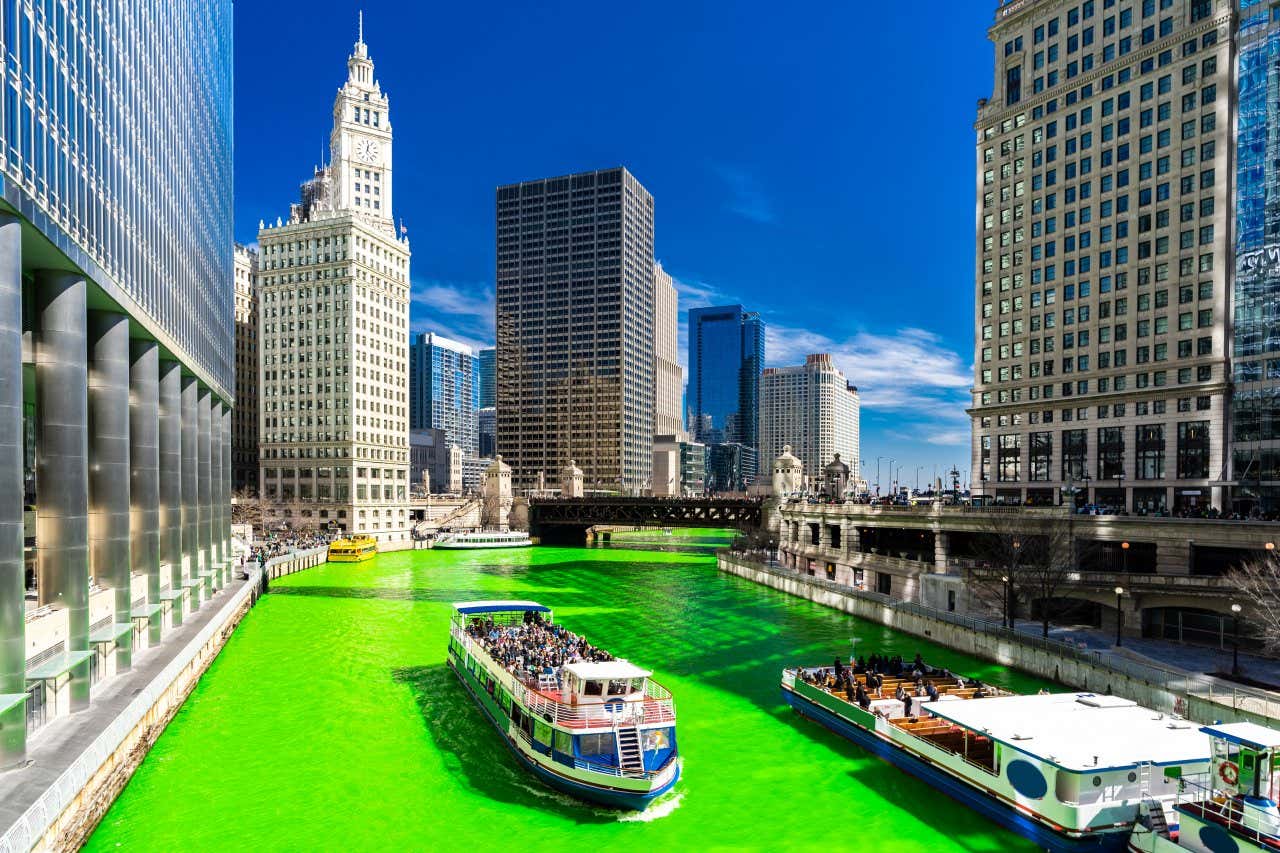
(366, 150)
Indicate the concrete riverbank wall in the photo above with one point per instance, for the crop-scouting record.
(66, 812)
(1199, 698)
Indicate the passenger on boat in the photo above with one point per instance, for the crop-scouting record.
(863, 700)
(931, 691)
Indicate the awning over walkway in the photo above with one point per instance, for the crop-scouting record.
(58, 665)
(146, 611)
(9, 701)
(110, 633)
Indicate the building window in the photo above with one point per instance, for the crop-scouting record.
(1110, 453)
(1009, 459)
(1193, 450)
(1041, 453)
(1150, 448)
(1074, 454)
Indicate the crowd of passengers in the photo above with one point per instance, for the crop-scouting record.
(873, 671)
(534, 646)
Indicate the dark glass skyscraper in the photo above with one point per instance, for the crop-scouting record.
(575, 329)
(488, 375)
(726, 355)
(1255, 407)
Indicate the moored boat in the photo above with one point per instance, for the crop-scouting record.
(483, 539)
(1230, 808)
(1068, 771)
(586, 724)
(355, 549)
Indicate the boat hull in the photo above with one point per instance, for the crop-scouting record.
(466, 546)
(601, 794)
(1044, 836)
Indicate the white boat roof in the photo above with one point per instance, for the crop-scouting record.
(1248, 734)
(600, 670)
(1080, 731)
(499, 606)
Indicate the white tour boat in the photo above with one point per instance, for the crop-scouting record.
(601, 730)
(1069, 771)
(483, 539)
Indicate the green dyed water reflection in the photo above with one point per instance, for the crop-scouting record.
(330, 721)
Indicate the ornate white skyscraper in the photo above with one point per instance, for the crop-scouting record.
(335, 321)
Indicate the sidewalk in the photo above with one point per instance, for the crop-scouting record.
(1194, 659)
(56, 746)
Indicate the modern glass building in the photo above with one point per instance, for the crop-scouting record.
(488, 375)
(726, 355)
(1255, 407)
(116, 338)
(444, 389)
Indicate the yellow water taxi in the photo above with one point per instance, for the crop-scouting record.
(356, 549)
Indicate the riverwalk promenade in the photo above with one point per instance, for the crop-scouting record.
(1197, 697)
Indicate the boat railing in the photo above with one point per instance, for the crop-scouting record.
(1231, 812)
(657, 706)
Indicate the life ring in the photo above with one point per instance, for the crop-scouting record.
(1229, 773)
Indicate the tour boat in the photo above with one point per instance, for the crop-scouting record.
(1069, 771)
(1230, 808)
(484, 539)
(356, 549)
(602, 731)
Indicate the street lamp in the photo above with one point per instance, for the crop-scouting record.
(1124, 549)
(1235, 640)
(1119, 614)
(1004, 579)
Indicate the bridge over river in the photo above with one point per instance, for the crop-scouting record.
(565, 521)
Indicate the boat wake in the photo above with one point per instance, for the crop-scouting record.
(661, 807)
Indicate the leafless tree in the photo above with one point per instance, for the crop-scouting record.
(1258, 581)
(1026, 555)
(246, 508)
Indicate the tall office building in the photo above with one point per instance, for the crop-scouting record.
(1104, 190)
(488, 376)
(668, 419)
(116, 260)
(575, 329)
(726, 355)
(334, 290)
(444, 389)
(1255, 422)
(487, 432)
(244, 418)
(813, 408)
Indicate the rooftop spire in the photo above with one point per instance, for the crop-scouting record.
(360, 37)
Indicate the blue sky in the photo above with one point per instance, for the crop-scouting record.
(813, 162)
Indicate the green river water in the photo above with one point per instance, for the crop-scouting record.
(330, 721)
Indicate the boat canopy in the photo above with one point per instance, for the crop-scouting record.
(604, 670)
(1246, 734)
(1079, 732)
(470, 607)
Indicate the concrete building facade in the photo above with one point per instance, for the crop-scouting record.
(116, 341)
(334, 291)
(575, 321)
(679, 466)
(1104, 181)
(813, 409)
(244, 419)
(668, 417)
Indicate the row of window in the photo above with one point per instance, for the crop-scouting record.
(1150, 447)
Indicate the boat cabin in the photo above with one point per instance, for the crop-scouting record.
(597, 683)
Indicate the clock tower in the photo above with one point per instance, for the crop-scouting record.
(360, 145)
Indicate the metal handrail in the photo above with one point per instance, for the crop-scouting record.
(1249, 700)
(657, 705)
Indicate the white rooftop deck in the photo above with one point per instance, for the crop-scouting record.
(1080, 731)
(601, 670)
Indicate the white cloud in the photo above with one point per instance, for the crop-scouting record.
(463, 311)
(746, 197)
(909, 370)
